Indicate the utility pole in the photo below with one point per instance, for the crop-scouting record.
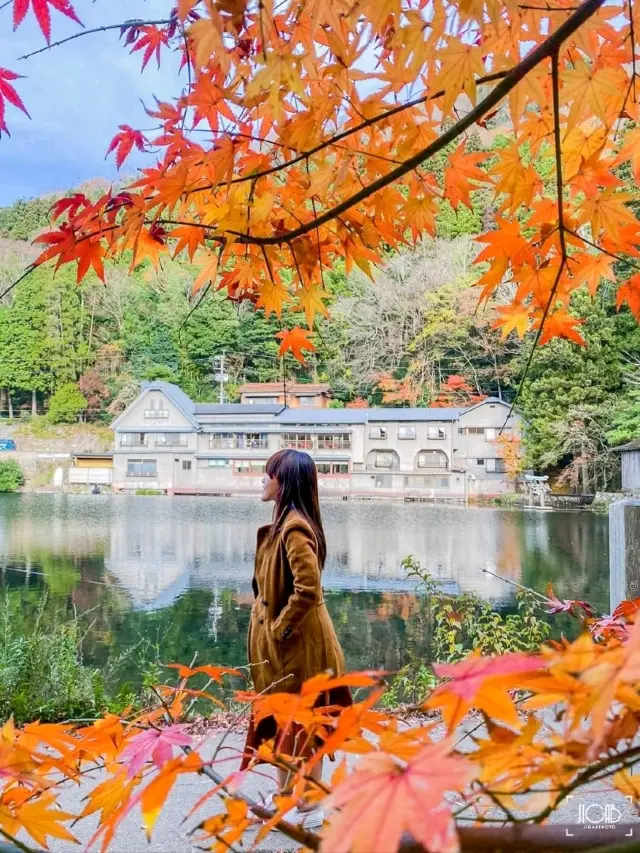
(219, 375)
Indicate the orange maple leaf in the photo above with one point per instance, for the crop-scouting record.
(591, 269)
(560, 324)
(385, 797)
(462, 168)
(629, 292)
(294, 341)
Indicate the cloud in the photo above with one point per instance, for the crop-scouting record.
(77, 95)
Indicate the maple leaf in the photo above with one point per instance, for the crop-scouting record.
(8, 93)
(599, 89)
(42, 13)
(70, 205)
(215, 673)
(311, 300)
(571, 606)
(272, 296)
(462, 168)
(153, 745)
(560, 324)
(481, 682)
(90, 253)
(152, 39)
(123, 142)
(591, 269)
(460, 63)
(514, 317)
(294, 341)
(629, 292)
(40, 817)
(385, 797)
(606, 211)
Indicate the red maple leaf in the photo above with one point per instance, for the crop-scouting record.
(42, 13)
(562, 605)
(153, 745)
(386, 797)
(123, 142)
(70, 205)
(8, 93)
(151, 39)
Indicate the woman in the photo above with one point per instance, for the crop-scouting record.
(291, 636)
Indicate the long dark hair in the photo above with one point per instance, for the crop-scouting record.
(298, 480)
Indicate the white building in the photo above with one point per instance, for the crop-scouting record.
(164, 441)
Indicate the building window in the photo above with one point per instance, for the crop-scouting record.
(219, 463)
(297, 440)
(334, 441)
(496, 465)
(171, 439)
(238, 441)
(383, 459)
(337, 469)
(157, 410)
(475, 430)
(307, 401)
(186, 465)
(262, 401)
(223, 440)
(133, 439)
(376, 431)
(436, 432)
(406, 432)
(142, 468)
(247, 466)
(432, 459)
(490, 434)
(480, 462)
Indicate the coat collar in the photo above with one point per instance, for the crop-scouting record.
(263, 532)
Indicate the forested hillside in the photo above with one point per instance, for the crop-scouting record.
(412, 336)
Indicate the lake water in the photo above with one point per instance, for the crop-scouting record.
(172, 576)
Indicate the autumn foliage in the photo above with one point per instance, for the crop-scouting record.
(303, 132)
(514, 733)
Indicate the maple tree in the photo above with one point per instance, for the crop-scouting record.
(303, 133)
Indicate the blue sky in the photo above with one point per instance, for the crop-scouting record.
(77, 95)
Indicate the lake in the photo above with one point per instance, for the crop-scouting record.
(168, 577)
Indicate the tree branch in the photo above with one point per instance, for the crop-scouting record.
(97, 30)
(544, 51)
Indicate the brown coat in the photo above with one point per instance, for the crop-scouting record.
(290, 633)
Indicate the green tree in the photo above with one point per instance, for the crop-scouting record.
(67, 405)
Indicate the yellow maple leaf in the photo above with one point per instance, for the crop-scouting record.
(513, 318)
(272, 296)
(585, 86)
(606, 211)
(311, 300)
(460, 62)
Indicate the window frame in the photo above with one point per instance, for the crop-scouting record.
(439, 430)
(382, 430)
(433, 454)
(411, 428)
(144, 475)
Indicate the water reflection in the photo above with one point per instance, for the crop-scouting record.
(178, 570)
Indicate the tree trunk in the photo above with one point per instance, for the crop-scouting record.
(584, 472)
(3, 400)
(34, 403)
(10, 403)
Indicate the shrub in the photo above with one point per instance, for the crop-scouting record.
(66, 405)
(42, 675)
(11, 476)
